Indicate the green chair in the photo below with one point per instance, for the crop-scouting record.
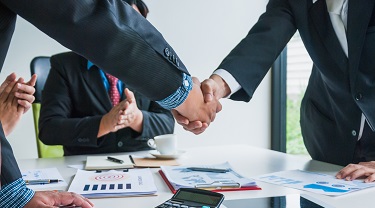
(40, 66)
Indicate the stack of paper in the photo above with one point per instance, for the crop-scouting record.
(184, 177)
(113, 183)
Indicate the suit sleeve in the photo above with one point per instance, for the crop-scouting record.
(57, 123)
(112, 35)
(251, 59)
(157, 121)
(9, 167)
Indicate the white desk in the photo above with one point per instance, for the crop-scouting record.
(248, 161)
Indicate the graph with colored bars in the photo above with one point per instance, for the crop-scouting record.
(113, 183)
(316, 182)
(102, 187)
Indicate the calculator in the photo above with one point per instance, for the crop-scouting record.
(193, 198)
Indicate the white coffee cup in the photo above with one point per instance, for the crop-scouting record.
(165, 144)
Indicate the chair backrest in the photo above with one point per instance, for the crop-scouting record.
(40, 66)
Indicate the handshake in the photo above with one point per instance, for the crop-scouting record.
(202, 104)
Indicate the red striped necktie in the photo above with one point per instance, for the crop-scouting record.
(114, 94)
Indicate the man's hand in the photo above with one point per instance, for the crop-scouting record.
(195, 114)
(125, 114)
(133, 117)
(213, 89)
(50, 199)
(25, 93)
(361, 170)
(15, 99)
(113, 120)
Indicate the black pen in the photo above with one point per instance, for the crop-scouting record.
(131, 159)
(208, 169)
(115, 160)
(41, 181)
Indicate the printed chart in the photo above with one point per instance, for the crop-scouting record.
(112, 183)
(314, 182)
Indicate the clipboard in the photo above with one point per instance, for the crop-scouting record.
(218, 187)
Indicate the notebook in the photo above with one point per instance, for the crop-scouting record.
(103, 163)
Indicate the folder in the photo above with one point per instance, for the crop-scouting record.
(182, 177)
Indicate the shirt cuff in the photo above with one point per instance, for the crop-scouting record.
(232, 83)
(15, 194)
(177, 98)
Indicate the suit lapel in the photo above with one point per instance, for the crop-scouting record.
(94, 81)
(323, 25)
(359, 16)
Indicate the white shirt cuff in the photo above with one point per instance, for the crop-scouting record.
(234, 86)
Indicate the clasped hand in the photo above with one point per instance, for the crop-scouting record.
(125, 114)
(16, 98)
(200, 107)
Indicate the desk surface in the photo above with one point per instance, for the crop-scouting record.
(247, 160)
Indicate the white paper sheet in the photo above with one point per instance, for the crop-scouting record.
(46, 173)
(182, 177)
(113, 183)
(314, 182)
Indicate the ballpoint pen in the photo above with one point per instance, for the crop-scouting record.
(131, 159)
(115, 160)
(41, 181)
(208, 169)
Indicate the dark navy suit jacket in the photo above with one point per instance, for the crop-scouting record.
(339, 89)
(110, 33)
(74, 100)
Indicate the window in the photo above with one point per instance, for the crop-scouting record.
(298, 69)
(290, 74)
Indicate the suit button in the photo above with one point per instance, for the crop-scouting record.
(119, 144)
(358, 96)
(354, 133)
(167, 52)
(177, 63)
(171, 58)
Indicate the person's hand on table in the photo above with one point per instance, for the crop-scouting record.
(362, 170)
(50, 199)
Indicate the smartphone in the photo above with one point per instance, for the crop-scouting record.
(191, 197)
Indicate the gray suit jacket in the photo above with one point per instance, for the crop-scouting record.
(339, 89)
(74, 101)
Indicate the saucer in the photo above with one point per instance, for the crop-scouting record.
(157, 154)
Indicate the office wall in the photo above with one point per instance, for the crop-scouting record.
(202, 33)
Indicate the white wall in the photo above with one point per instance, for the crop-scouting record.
(202, 33)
